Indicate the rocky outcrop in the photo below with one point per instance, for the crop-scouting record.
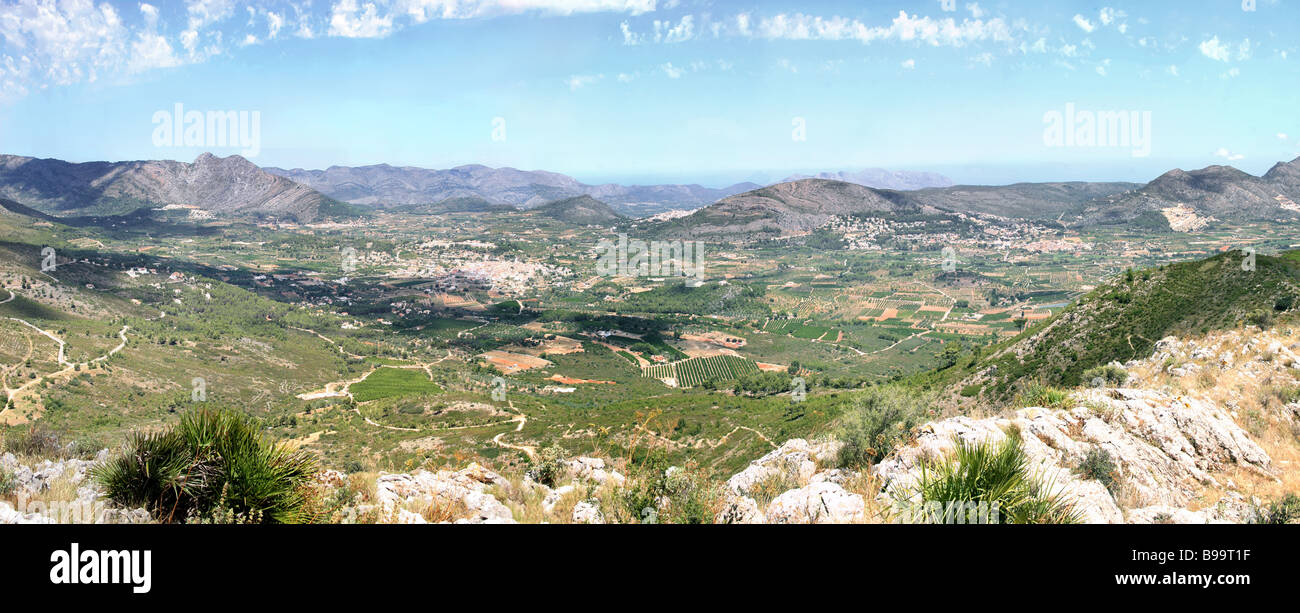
(587, 513)
(818, 503)
(31, 485)
(593, 470)
(812, 495)
(795, 461)
(1165, 449)
(456, 491)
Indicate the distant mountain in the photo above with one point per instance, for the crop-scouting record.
(789, 208)
(1023, 200)
(383, 185)
(580, 210)
(224, 186)
(1221, 192)
(880, 178)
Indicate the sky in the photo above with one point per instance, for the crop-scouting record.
(665, 91)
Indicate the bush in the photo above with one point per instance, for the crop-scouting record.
(879, 421)
(36, 442)
(1099, 465)
(213, 464)
(994, 474)
(7, 483)
(1110, 374)
(688, 495)
(1283, 511)
(1038, 395)
(548, 467)
(1261, 318)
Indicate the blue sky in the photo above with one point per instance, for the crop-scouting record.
(648, 91)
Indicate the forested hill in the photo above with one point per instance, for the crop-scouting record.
(1124, 318)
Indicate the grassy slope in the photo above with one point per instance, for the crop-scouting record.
(1123, 319)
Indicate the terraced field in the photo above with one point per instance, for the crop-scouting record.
(695, 371)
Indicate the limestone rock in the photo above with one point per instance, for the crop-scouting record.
(818, 503)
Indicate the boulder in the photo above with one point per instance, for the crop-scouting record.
(818, 503)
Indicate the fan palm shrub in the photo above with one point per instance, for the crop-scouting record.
(994, 474)
(213, 464)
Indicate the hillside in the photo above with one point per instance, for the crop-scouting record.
(786, 209)
(1221, 192)
(1124, 318)
(579, 210)
(223, 186)
(1025, 200)
(459, 204)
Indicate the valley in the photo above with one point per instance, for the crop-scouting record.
(401, 338)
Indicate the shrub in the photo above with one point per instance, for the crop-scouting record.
(1110, 374)
(7, 483)
(1283, 511)
(1261, 318)
(1099, 465)
(36, 442)
(656, 493)
(1038, 395)
(213, 465)
(995, 474)
(879, 421)
(548, 467)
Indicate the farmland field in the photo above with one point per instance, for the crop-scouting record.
(694, 371)
(388, 382)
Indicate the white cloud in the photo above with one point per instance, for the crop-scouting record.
(1173, 70)
(349, 20)
(274, 23)
(975, 10)
(578, 81)
(1283, 136)
(396, 13)
(151, 51)
(672, 71)
(59, 43)
(629, 37)
(903, 28)
(1228, 155)
(1083, 23)
(150, 13)
(666, 32)
(1223, 51)
(909, 63)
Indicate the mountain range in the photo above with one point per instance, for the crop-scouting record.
(234, 187)
(223, 186)
(1177, 200)
(1222, 192)
(383, 185)
(880, 178)
(788, 208)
